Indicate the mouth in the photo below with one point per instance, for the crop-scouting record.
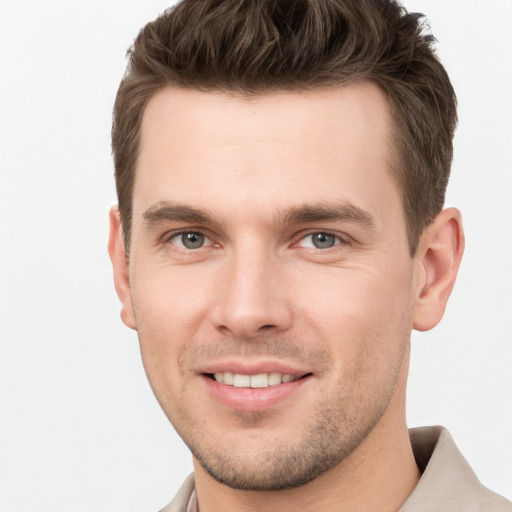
(259, 380)
(244, 389)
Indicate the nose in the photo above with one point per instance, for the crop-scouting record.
(252, 298)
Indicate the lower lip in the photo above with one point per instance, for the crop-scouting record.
(253, 399)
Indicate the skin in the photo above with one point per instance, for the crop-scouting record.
(259, 178)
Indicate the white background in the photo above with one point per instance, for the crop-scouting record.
(79, 428)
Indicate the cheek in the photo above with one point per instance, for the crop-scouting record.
(169, 300)
(362, 317)
(345, 298)
(168, 307)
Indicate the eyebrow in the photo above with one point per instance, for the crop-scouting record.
(166, 211)
(344, 212)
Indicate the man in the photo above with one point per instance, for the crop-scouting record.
(281, 170)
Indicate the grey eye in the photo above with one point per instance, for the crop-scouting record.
(323, 240)
(192, 240)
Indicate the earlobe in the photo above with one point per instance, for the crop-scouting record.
(438, 258)
(119, 260)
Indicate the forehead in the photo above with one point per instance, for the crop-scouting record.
(231, 151)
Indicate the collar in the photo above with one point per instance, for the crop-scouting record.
(447, 483)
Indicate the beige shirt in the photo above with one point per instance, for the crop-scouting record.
(447, 484)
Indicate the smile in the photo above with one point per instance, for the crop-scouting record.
(253, 389)
(260, 380)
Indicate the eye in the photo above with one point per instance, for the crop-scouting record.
(320, 240)
(190, 240)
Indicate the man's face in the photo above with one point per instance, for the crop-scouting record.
(269, 246)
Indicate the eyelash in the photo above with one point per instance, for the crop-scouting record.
(170, 236)
(338, 240)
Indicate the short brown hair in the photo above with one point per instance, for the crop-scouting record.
(258, 46)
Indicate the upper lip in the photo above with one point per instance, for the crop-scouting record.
(253, 367)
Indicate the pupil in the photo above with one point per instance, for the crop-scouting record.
(323, 240)
(192, 240)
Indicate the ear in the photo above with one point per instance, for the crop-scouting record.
(120, 265)
(438, 258)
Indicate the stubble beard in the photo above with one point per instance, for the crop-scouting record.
(332, 436)
(283, 467)
(336, 428)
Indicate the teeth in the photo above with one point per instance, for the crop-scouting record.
(261, 380)
(241, 381)
(274, 379)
